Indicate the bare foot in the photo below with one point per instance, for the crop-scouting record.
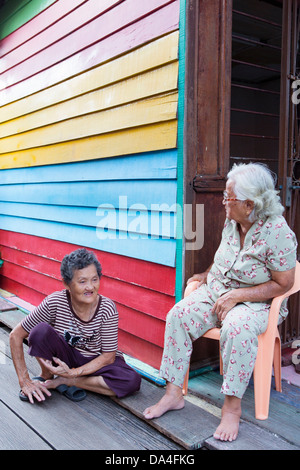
(172, 400)
(54, 383)
(229, 426)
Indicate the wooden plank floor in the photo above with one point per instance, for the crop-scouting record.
(97, 423)
(284, 412)
(105, 424)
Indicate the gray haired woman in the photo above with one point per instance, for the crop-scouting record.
(74, 335)
(255, 262)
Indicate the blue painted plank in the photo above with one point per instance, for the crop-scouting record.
(93, 194)
(145, 166)
(161, 251)
(154, 223)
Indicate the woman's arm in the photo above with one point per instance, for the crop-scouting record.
(63, 370)
(280, 283)
(29, 387)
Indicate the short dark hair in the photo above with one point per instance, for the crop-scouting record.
(78, 259)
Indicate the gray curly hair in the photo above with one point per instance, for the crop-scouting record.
(256, 182)
(78, 259)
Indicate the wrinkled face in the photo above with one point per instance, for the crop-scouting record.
(235, 210)
(85, 285)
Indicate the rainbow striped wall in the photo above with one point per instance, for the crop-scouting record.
(89, 154)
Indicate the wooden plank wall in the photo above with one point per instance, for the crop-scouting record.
(88, 154)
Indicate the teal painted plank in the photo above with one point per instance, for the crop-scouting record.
(150, 165)
(161, 251)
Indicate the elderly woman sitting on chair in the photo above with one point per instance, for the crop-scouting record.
(255, 262)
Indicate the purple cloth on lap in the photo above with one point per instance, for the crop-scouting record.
(46, 343)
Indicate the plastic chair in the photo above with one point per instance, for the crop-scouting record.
(268, 354)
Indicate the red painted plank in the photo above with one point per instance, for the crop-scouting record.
(128, 12)
(37, 24)
(138, 298)
(39, 282)
(30, 261)
(129, 344)
(140, 349)
(142, 310)
(24, 292)
(149, 275)
(161, 22)
(133, 321)
(150, 302)
(141, 325)
(70, 22)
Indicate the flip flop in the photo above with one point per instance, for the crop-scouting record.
(22, 396)
(72, 393)
(25, 397)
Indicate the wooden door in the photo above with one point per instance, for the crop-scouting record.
(237, 110)
(207, 132)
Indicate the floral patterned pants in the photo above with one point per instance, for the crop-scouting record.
(190, 318)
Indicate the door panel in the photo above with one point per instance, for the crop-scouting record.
(238, 109)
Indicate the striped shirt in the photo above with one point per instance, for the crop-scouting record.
(91, 338)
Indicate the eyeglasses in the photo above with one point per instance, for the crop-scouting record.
(226, 198)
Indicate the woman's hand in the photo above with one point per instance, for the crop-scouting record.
(225, 303)
(62, 369)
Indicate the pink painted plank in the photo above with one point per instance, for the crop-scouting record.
(98, 29)
(21, 303)
(161, 22)
(39, 23)
(61, 29)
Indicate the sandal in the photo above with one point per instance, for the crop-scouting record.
(72, 393)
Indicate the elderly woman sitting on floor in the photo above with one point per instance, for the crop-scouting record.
(255, 262)
(74, 335)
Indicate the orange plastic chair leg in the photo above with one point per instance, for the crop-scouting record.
(277, 364)
(262, 379)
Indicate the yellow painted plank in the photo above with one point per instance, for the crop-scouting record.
(152, 55)
(129, 141)
(161, 80)
(140, 113)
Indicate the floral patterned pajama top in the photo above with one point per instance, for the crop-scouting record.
(270, 245)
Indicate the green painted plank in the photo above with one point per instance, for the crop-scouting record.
(15, 13)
